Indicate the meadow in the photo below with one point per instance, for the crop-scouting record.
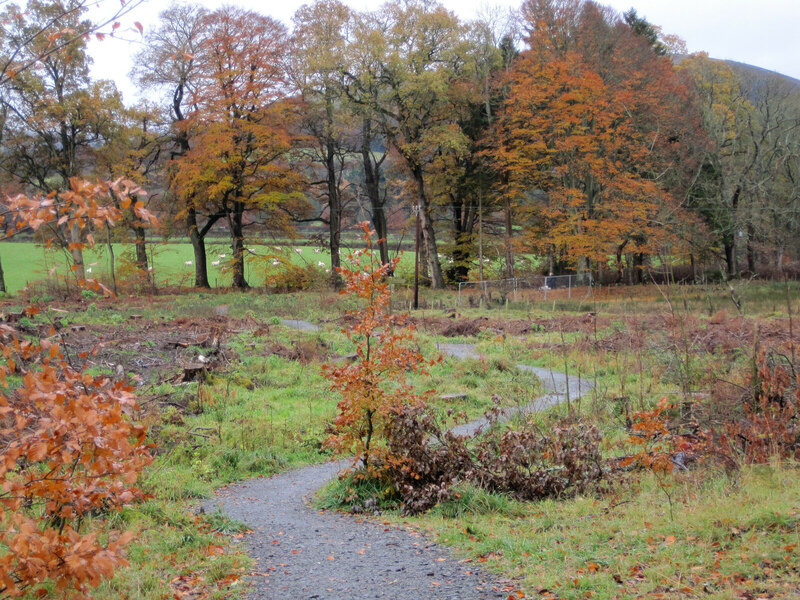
(258, 404)
(28, 264)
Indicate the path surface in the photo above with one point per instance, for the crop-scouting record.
(559, 387)
(302, 553)
(300, 324)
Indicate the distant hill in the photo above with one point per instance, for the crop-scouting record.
(755, 78)
(753, 73)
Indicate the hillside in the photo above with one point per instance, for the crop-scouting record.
(750, 72)
(753, 73)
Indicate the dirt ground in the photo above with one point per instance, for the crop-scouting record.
(161, 349)
(151, 350)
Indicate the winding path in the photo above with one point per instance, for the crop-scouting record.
(302, 553)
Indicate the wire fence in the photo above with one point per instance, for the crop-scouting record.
(536, 287)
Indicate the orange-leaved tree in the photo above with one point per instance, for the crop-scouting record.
(72, 216)
(589, 141)
(374, 386)
(70, 453)
(240, 131)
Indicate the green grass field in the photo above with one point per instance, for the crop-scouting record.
(26, 263)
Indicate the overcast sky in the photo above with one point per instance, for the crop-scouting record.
(765, 33)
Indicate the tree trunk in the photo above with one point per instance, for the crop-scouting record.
(199, 247)
(335, 210)
(463, 226)
(372, 187)
(237, 245)
(141, 249)
(112, 266)
(462, 254)
(751, 251)
(729, 245)
(382, 231)
(77, 253)
(2, 279)
(620, 264)
(638, 267)
(428, 233)
(509, 235)
(583, 269)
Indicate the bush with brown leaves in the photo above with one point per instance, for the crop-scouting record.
(524, 462)
(70, 453)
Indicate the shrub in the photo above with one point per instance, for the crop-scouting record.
(426, 462)
(283, 276)
(71, 453)
(373, 387)
(771, 423)
(530, 464)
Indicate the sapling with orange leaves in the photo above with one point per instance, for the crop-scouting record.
(71, 452)
(374, 386)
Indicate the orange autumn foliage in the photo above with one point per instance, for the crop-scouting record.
(652, 439)
(587, 143)
(374, 385)
(240, 130)
(74, 214)
(70, 453)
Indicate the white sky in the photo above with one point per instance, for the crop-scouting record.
(764, 33)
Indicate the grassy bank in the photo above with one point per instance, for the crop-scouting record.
(263, 407)
(729, 537)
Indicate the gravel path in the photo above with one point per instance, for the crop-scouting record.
(302, 553)
(299, 324)
(559, 387)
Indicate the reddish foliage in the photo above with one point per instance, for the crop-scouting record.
(771, 423)
(525, 462)
(752, 427)
(373, 387)
(73, 214)
(590, 120)
(70, 452)
(652, 439)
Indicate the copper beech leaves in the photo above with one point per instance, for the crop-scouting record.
(373, 387)
(76, 212)
(70, 451)
(583, 140)
(238, 160)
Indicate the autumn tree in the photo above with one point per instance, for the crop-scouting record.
(588, 135)
(363, 91)
(239, 133)
(167, 65)
(498, 35)
(752, 124)
(412, 55)
(461, 177)
(56, 117)
(57, 32)
(137, 154)
(318, 54)
(659, 104)
(373, 387)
